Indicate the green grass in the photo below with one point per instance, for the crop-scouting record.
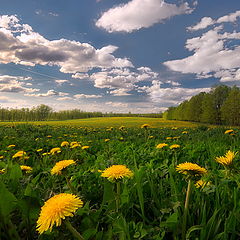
(150, 205)
(114, 122)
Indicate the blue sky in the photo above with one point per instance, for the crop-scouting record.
(116, 55)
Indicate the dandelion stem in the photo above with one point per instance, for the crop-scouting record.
(186, 209)
(70, 185)
(118, 196)
(73, 230)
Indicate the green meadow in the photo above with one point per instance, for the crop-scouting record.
(101, 122)
(156, 198)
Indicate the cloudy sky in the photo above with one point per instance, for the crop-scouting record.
(116, 55)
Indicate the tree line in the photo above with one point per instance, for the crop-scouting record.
(44, 112)
(220, 106)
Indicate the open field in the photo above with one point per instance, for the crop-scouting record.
(145, 201)
(113, 121)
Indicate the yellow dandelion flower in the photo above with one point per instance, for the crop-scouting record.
(117, 172)
(26, 169)
(39, 150)
(121, 127)
(74, 144)
(11, 146)
(21, 155)
(145, 126)
(2, 171)
(192, 169)
(201, 184)
(121, 138)
(49, 136)
(1, 157)
(174, 146)
(228, 131)
(56, 209)
(107, 140)
(59, 166)
(150, 137)
(55, 150)
(161, 145)
(64, 144)
(85, 147)
(168, 138)
(176, 137)
(226, 160)
(184, 132)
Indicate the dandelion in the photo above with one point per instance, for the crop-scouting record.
(64, 144)
(228, 131)
(121, 127)
(226, 160)
(185, 132)
(11, 146)
(20, 155)
(174, 146)
(26, 169)
(2, 171)
(49, 136)
(56, 209)
(1, 157)
(191, 169)
(161, 145)
(74, 144)
(145, 126)
(85, 147)
(168, 138)
(106, 140)
(55, 150)
(201, 184)
(117, 172)
(59, 166)
(150, 137)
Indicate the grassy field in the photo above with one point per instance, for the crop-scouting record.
(153, 198)
(114, 122)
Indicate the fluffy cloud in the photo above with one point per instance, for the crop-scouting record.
(171, 96)
(79, 96)
(138, 14)
(214, 55)
(49, 93)
(15, 84)
(121, 81)
(61, 82)
(208, 21)
(21, 45)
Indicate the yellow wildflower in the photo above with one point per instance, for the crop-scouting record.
(64, 144)
(1, 157)
(226, 160)
(161, 145)
(174, 146)
(55, 150)
(11, 146)
(85, 147)
(168, 138)
(117, 172)
(59, 166)
(191, 169)
(228, 131)
(145, 126)
(2, 171)
(201, 184)
(27, 169)
(20, 155)
(56, 209)
(107, 140)
(39, 150)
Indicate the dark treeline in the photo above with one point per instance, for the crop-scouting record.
(220, 106)
(44, 112)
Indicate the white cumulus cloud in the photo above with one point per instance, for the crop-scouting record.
(138, 14)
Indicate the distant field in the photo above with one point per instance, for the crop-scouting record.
(114, 122)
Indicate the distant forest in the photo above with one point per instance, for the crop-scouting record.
(220, 106)
(44, 112)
